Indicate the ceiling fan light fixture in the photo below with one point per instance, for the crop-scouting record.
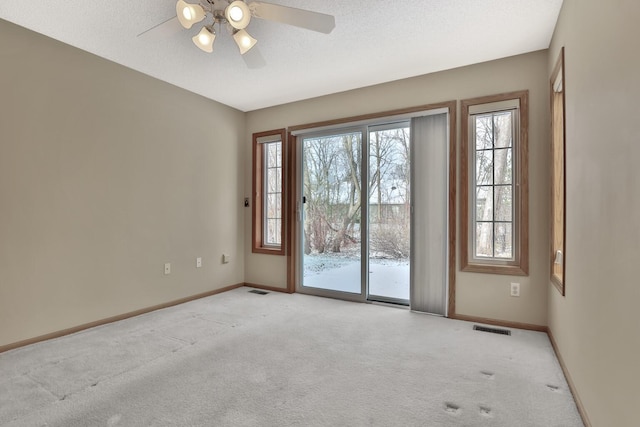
(204, 39)
(244, 41)
(189, 14)
(238, 14)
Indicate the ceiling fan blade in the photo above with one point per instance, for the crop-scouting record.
(168, 27)
(290, 15)
(253, 58)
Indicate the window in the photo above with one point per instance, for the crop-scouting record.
(272, 201)
(558, 220)
(269, 150)
(494, 208)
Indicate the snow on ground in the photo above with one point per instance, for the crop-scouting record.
(341, 272)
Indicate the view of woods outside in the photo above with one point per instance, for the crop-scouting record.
(494, 185)
(334, 201)
(273, 191)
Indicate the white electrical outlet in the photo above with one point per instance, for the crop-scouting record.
(515, 289)
(198, 262)
(226, 259)
(167, 268)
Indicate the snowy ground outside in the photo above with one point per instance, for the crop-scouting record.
(341, 272)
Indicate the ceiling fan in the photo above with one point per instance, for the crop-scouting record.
(236, 15)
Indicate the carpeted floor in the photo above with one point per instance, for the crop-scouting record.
(242, 359)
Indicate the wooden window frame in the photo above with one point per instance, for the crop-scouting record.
(257, 216)
(520, 265)
(558, 175)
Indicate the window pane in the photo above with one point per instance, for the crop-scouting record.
(484, 203)
(484, 239)
(484, 132)
(273, 180)
(278, 180)
(494, 185)
(503, 203)
(273, 236)
(278, 162)
(270, 155)
(503, 133)
(272, 210)
(503, 240)
(278, 233)
(503, 166)
(274, 154)
(277, 206)
(484, 167)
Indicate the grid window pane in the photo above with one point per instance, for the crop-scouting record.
(494, 178)
(503, 166)
(278, 230)
(273, 233)
(503, 237)
(503, 129)
(484, 203)
(278, 206)
(503, 207)
(274, 155)
(273, 180)
(273, 206)
(484, 240)
(484, 132)
(272, 209)
(484, 167)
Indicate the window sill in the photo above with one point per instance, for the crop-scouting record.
(509, 270)
(268, 250)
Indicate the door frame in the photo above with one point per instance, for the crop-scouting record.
(293, 205)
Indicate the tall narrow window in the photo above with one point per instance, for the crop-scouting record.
(494, 188)
(272, 201)
(493, 185)
(558, 219)
(268, 190)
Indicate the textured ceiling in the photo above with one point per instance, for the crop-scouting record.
(374, 42)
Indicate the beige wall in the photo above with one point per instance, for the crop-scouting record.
(102, 182)
(100, 185)
(596, 325)
(477, 294)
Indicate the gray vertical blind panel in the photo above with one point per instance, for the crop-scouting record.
(429, 223)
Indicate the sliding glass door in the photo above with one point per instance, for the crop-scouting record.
(332, 232)
(374, 216)
(355, 225)
(389, 229)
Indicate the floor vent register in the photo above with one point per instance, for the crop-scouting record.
(492, 330)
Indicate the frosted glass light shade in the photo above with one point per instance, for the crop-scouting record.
(204, 39)
(238, 14)
(189, 14)
(244, 41)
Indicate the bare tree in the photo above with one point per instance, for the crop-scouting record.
(352, 158)
(332, 186)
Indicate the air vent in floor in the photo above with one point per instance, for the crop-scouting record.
(255, 291)
(492, 330)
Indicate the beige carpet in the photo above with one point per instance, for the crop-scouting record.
(241, 359)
